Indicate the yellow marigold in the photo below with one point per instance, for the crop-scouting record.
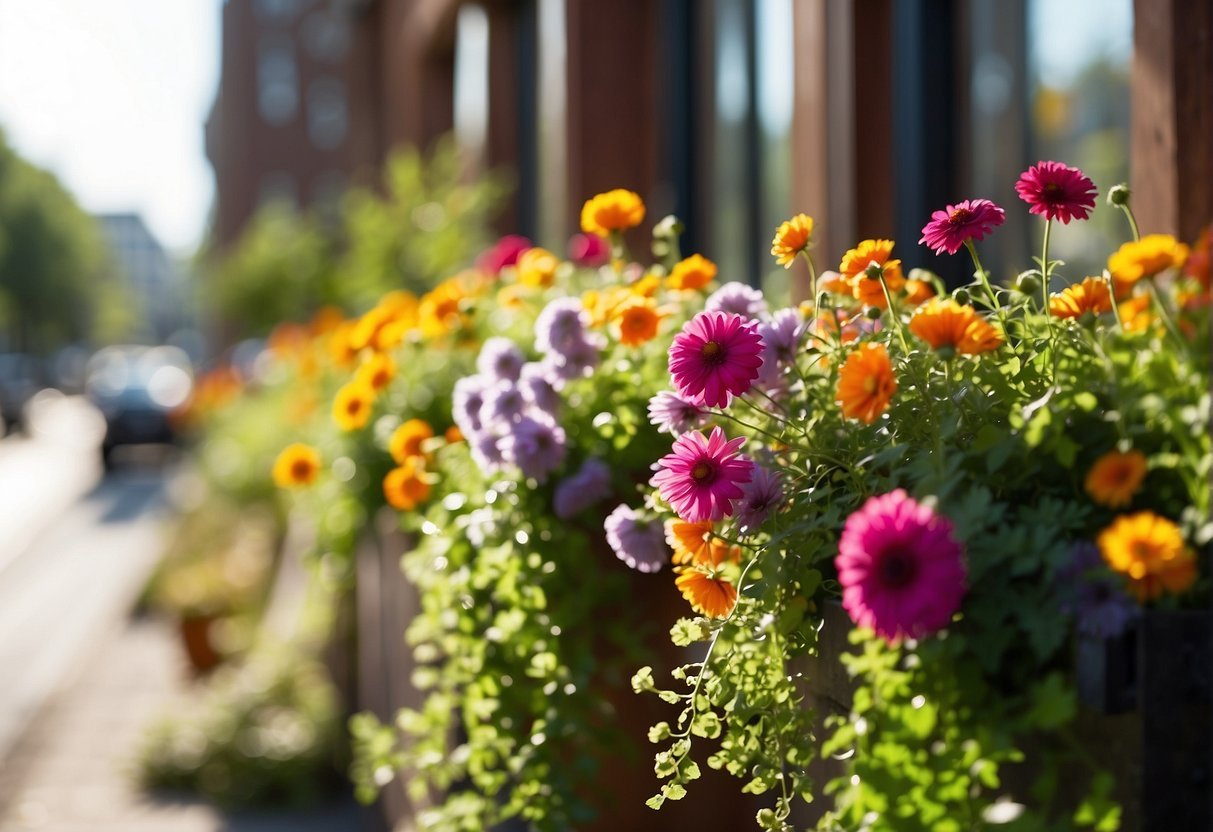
(918, 292)
(512, 296)
(406, 487)
(1135, 313)
(1115, 477)
(325, 320)
(439, 310)
(392, 334)
(287, 340)
(341, 350)
(690, 541)
(945, 324)
(407, 439)
(792, 237)
(866, 383)
(862, 266)
(367, 327)
(638, 321)
(645, 287)
(399, 304)
(1074, 301)
(601, 305)
(537, 267)
(377, 371)
(693, 272)
(352, 405)
(1150, 550)
(298, 465)
(616, 210)
(1146, 257)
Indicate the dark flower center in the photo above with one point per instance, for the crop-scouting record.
(301, 469)
(1052, 189)
(703, 472)
(960, 215)
(712, 353)
(896, 569)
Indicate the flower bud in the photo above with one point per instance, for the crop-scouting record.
(669, 226)
(925, 275)
(1119, 194)
(1028, 282)
(874, 271)
(961, 296)
(873, 312)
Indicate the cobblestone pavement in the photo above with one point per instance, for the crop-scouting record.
(72, 771)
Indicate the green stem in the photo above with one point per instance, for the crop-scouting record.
(1115, 303)
(808, 258)
(1132, 222)
(1165, 314)
(1044, 297)
(888, 298)
(982, 275)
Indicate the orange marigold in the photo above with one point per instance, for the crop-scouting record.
(341, 348)
(452, 435)
(638, 321)
(712, 596)
(866, 383)
(690, 541)
(1150, 550)
(439, 310)
(407, 440)
(298, 465)
(1146, 257)
(1135, 313)
(406, 487)
(1115, 477)
(352, 405)
(862, 267)
(791, 238)
(616, 210)
(377, 371)
(945, 324)
(693, 272)
(918, 291)
(1074, 301)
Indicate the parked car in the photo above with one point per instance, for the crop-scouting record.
(137, 389)
(20, 379)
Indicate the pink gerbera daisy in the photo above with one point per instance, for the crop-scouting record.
(902, 572)
(1057, 191)
(702, 475)
(715, 357)
(972, 219)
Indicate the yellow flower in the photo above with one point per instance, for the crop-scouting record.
(352, 405)
(407, 439)
(616, 210)
(377, 371)
(1074, 301)
(1135, 314)
(439, 310)
(944, 323)
(645, 287)
(866, 383)
(872, 257)
(1151, 551)
(690, 541)
(601, 305)
(405, 487)
(694, 272)
(537, 267)
(1146, 257)
(1115, 477)
(325, 320)
(341, 350)
(512, 296)
(638, 321)
(367, 327)
(298, 465)
(791, 238)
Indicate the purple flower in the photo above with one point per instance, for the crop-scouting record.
(466, 400)
(504, 402)
(499, 359)
(781, 335)
(486, 451)
(638, 542)
(1092, 594)
(537, 385)
(590, 484)
(561, 326)
(536, 444)
(674, 415)
(737, 298)
(759, 497)
(577, 362)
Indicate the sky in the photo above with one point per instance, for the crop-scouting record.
(111, 95)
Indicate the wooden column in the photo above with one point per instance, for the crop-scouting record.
(418, 70)
(1171, 138)
(508, 115)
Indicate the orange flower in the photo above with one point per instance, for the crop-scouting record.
(945, 324)
(367, 328)
(832, 282)
(638, 321)
(1146, 257)
(405, 487)
(407, 439)
(862, 267)
(1150, 550)
(439, 310)
(325, 320)
(690, 541)
(694, 272)
(791, 238)
(1074, 301)
(1115, 477)
(537, 267)
(377, 371)
(1135, 314)
(918, 291)
(352, 405)
(298, 465)
(712, 596)
(616, 210)
(341, 350)
(452, 435)
(866, 383)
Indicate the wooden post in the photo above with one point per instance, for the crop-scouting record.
(418, 77)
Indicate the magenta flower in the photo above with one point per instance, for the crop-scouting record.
(505, 252)
(716, 356)
(702, 475)
(972, 219)
(902, 572)
(1057, 191)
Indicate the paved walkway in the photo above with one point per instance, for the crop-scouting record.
(72, 772)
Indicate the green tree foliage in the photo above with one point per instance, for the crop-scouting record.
(53, 281)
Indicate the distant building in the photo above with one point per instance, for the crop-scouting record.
(149, 278)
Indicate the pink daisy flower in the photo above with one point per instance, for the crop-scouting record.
(1057, 191)
(715, 357)
(702, 475)
(902, 572)
(972, 219)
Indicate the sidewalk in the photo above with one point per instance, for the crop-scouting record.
(72, 772)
